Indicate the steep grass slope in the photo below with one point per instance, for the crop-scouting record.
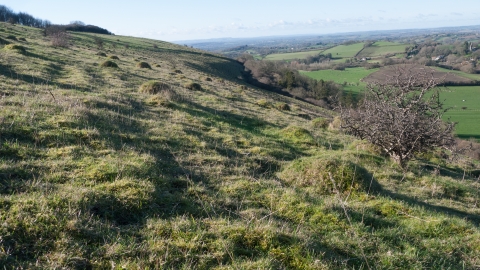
(102, 168)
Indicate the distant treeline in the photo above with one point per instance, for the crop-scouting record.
(81, 27)
(22, 18)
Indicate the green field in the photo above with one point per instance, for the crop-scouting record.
(350, 75)
(460, 73)
(345, 51)
(382, 48)
(469, 118)
(291, 56)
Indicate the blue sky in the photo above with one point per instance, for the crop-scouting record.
(188, 19)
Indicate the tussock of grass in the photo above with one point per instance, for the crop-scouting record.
(320, 122)
(153, 87)
(102, 54)
(113, 57)
(298, 134)
(15, 47)
(282, 106)
(144, 65)
(109, 64)
(325, 174)
(11, 37)
(264, 103)
(193, 86)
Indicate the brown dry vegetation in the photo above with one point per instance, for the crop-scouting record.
(389, 71)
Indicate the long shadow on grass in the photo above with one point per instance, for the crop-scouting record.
(30, 79)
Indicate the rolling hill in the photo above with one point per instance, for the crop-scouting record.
(129, 153)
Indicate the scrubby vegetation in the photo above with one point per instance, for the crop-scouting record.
(97, 173)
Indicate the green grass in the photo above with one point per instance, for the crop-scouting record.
(345, 51)
(96, 174)
(382, 48)
(292, 56)
(469, 118)
(352, 76)
(475, 77)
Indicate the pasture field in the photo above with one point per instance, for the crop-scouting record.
(345, 51)
(468, 118)
(382, 48)
(352, 77)
(464, 102)
(475, 77)
(291, 56)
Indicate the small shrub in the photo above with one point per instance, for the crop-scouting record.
(320, 122)
(144, 65)
(153, 87)
(113, 57)
(193, 86)
(282, 106)
(178, 71)
(109, 64)
(101, 54)
(14, 47)
(11, 37)
(22, 39)
(157, 65)
(208, 79)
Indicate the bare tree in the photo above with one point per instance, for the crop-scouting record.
(58, 36)
(402, 115)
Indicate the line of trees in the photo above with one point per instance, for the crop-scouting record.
(22, 18)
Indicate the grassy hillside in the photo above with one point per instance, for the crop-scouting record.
(184, 166)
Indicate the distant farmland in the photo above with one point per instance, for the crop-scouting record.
(291, 56)
(352, 76)
(382, 48)
(464, 102)
(345, 51)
